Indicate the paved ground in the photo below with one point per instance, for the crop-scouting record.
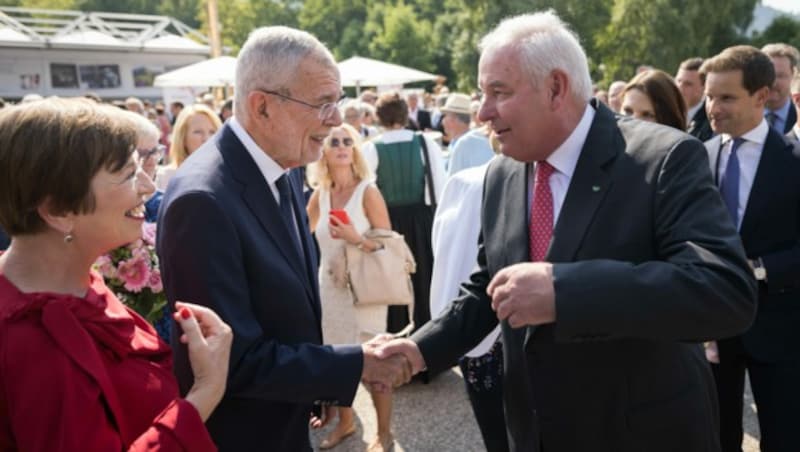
(437, 417)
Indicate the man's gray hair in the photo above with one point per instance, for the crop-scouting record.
(544, 43)
(144, 127)
(269, 60)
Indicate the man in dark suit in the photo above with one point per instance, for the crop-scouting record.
(758, 173)
(690, 82)
(418, 118)
(606, 255)
(233, 235)
(779, 110)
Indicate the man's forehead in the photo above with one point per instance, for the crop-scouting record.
(497, 69)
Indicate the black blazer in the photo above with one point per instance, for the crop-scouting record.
(699, 127)
(423, 121)
(646, 264)
(771, 230)
(791, 118)
(222, 244)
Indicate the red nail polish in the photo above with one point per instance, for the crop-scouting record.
(185, 313)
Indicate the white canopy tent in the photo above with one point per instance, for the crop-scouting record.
(220, 71)
(358, 71)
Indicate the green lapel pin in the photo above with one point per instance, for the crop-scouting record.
(595, 188)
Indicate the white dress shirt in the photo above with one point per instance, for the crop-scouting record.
(563, 159)
(749, 154)
(438, 173)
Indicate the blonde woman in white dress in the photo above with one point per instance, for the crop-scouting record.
(342, 181)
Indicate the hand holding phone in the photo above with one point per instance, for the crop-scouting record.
(341, 215)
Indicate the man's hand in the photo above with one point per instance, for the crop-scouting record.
(406, 348)
(384, 374)
(524, 294)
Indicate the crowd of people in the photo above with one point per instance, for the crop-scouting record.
(604, 266)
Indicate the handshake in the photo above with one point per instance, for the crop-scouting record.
(390, 362)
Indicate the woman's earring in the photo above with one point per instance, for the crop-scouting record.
(68, 238)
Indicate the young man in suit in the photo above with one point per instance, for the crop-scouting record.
(779, 110)
(758, 173)
(233, 235)
(606, 255)
(690, 82)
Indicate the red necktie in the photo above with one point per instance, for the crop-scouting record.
(541, 223)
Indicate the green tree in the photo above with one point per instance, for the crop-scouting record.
(401, 37)
(782, 29)
(239, 17)
(186, 11)
(664, 32)
(340, 24)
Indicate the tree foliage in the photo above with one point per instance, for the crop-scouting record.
(783, 29)
(441, 36)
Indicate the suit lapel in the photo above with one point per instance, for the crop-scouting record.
(765, 182)
(259, 199)
(587, 188)
(515, 214)
(296, 184)
(791, 119)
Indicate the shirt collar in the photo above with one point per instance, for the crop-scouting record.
(268, 167)
(757, 135)
(782, 112)
(565, 157)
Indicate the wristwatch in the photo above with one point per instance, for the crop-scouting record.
(759, 271)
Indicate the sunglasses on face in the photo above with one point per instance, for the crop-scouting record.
(156, 151)
(335, 142)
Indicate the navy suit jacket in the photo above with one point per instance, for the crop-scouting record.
(223, 244)
(791, 119)
(771, 230)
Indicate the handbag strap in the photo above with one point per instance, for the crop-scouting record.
(428, 174)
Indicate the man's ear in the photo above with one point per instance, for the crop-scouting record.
(258, 103)
(558, 86)
(61, 222)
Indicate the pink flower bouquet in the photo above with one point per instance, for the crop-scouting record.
(132, 272)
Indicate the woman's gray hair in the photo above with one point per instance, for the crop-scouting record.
(144, 127)
(269, 60)
(544, 43)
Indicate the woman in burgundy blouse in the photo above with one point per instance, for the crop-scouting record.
(78, 370)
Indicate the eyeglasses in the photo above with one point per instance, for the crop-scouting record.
(326, 110)
(334, 143)
(157, 150)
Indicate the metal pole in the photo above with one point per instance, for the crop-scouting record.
(216, 45)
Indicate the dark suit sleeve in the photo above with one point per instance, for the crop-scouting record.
(783, 266)
(700, 286)
(468, 320)
(202, 262)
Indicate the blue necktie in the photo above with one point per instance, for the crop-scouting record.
(285, 195)
(771, 118)
(729, 188)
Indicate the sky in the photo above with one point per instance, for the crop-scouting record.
(792, 6)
